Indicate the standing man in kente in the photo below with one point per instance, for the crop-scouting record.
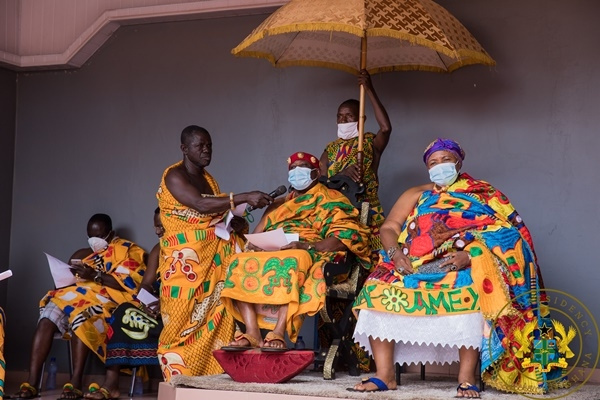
(339, 157)
(192, 269)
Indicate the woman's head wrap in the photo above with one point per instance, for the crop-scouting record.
(312, 160)
(443, 144)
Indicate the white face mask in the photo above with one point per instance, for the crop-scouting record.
(443, 174)
(98, 244)
(348, 130)
(299, 178)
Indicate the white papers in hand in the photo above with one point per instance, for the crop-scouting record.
(61, 272)
(6, 274)
(292, 237)
(271, 240)
(145, 297)
(223, 228)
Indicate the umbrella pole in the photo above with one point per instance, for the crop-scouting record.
(361, 116)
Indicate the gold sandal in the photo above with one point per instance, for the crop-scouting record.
(239, 336)
(272, 337)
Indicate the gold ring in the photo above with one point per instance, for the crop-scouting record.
(76, 276)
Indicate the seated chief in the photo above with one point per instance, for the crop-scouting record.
(275, 290)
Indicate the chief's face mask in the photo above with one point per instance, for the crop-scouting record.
(443, 174)
(98, 244)
(299, 178)
(347, 130)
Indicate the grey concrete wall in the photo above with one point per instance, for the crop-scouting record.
(8, 104)
(97, 139)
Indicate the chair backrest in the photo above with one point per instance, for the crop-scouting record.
(349, 265)
(346, 186)
(352, 190)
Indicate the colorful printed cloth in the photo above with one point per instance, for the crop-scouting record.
(341, 154)
(295, 277)
(132, 337)
(89, 305)
(503, 283)
(192, 268)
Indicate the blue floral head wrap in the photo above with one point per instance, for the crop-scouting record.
(443, 144)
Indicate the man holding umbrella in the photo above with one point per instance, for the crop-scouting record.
(340, 156)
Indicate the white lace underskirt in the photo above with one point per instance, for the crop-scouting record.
(430, 339)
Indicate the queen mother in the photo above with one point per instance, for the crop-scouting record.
(458, 281)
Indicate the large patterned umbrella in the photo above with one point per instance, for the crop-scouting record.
(401, 35)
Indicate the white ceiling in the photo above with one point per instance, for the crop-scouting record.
(52, 34)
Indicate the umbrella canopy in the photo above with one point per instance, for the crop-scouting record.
(402, 35)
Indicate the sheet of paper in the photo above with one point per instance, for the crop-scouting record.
(145, 297)
(223, 228)
(239, 210)
(221, 231)
(292, 237)
(61, 272)
(271, 240)
(6, 274)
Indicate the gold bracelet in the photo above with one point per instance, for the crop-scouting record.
(231, 203)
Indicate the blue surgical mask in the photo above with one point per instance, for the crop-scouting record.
(299, 178)
(443, 174)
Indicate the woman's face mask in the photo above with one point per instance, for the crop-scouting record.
(347, 130)
(443, 174)
(98, 244)
(300, 178)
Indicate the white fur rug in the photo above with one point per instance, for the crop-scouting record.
(412, 388)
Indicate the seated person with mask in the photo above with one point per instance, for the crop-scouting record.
(108, 274)
(275, 290)
(459, 281)
(135, 328)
